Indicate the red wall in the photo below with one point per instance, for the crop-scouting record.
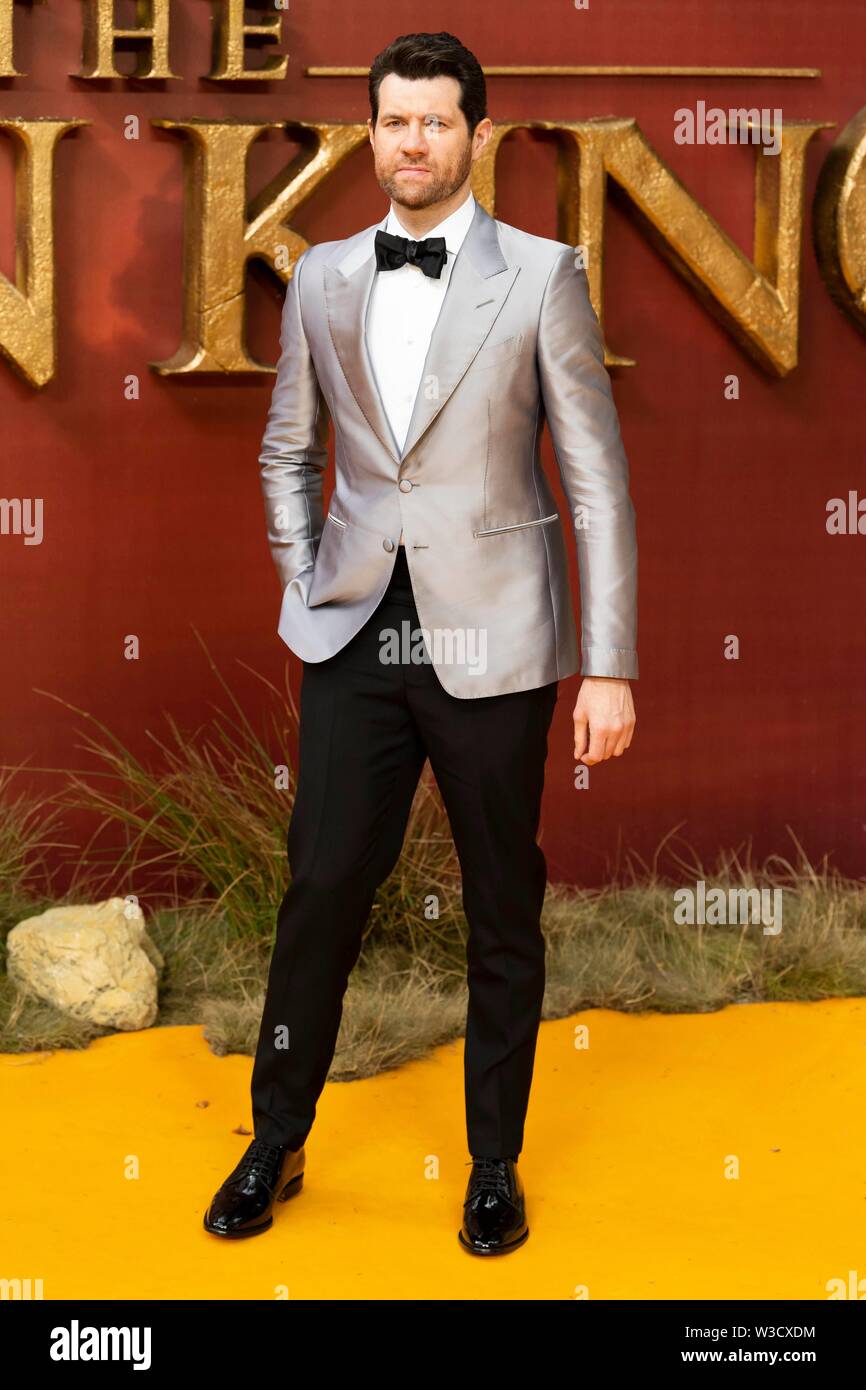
(154, 519)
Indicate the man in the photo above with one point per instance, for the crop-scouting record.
(437, 342)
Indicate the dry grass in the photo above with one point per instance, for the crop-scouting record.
(207, 825)
(617, 948)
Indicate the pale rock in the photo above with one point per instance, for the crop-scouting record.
(94, 961)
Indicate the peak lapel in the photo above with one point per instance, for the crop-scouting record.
(479, 285)
(347, 299)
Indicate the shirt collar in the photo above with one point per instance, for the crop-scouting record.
(453, 228)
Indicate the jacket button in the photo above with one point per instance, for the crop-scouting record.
(405, 485)
(387, 544)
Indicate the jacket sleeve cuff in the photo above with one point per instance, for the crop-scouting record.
(619, 662)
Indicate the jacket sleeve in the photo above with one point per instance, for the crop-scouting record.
(294, 451)
(584, 427)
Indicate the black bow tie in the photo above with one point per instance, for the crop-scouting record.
(394, 251)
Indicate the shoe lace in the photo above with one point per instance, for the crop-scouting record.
(260, 1160)
(489, 1175)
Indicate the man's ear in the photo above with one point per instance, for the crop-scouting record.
(370, 129)
(482, 136)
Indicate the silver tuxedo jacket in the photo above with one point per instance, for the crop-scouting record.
(517, 342)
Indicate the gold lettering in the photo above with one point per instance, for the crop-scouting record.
(27, 318)
(102, 40)
(232, 36)
(7, 55)
(756, 300)
(219, 238)
(839, 214)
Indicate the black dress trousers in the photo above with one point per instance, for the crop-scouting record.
(366, 727)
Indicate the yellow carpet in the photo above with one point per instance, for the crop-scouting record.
(628, 1144)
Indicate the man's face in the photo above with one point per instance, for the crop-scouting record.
(421, 143)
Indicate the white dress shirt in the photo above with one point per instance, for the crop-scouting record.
(404, 306)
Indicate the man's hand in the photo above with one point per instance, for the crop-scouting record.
(604, 719)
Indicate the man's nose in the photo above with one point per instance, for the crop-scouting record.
(415, 139)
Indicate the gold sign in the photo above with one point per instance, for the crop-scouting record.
(756, 299)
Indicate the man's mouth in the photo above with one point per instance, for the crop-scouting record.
(411, 169)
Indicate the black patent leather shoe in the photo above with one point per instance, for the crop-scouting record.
(267, 1173)
(494, 1214)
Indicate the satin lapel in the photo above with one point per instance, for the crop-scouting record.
(347, 298)
(479, 285)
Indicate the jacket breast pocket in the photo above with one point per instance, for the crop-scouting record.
(494, 354)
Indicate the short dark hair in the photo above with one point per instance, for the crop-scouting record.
(432, 55)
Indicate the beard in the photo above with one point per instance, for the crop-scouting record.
(437, 188)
